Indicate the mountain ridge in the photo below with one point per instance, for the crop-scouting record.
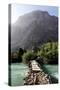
(36, 27)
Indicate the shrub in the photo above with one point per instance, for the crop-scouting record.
(49, 52)
(29, 55)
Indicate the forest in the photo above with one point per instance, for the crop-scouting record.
(45, 54)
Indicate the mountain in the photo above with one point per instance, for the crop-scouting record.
(34, 28)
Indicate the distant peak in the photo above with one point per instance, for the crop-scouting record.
(39, 11)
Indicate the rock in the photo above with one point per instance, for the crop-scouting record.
(36, 78)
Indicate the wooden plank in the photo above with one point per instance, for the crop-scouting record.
(35, 66)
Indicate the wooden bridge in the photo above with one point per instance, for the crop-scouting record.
(36, 75)
(35, 67)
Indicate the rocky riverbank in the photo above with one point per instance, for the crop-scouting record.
(36, 77)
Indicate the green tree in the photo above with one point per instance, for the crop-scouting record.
(49, 52)
(20, 53)
(29, 55)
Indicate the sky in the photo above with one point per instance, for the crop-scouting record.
(19, 10)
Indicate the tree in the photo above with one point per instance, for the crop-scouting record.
(20, 53)
(49, 52)
(28, 56)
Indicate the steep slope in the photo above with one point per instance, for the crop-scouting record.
(34, 28)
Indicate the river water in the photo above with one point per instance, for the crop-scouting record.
(19, 72)
(52, 70)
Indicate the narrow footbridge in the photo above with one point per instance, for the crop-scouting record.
(36, 75)
(35, 67)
